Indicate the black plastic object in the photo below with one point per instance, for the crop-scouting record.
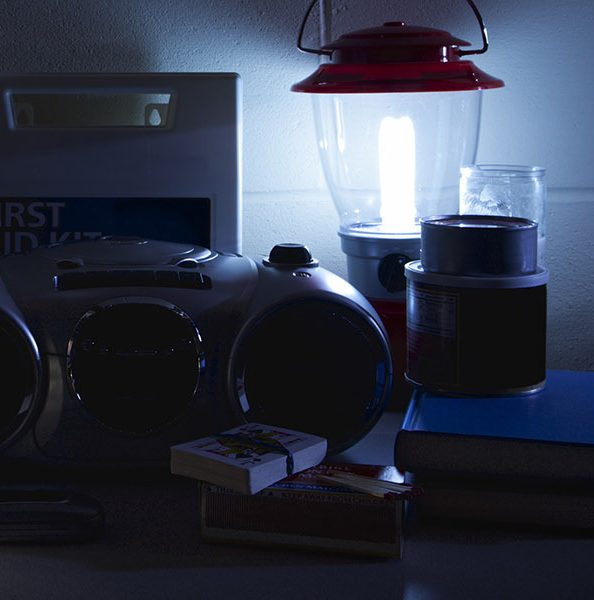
(168, 278)
(478, 245)
(43, 515)
(291, 255)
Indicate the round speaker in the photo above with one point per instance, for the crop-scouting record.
(314, 365)
(135, 364)
(20, 376)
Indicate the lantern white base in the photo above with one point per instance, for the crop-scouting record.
(375, 265)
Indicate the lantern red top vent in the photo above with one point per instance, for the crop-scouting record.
(396, 57)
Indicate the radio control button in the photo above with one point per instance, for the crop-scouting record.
(188, 263)
(70, 263)
(291, 255)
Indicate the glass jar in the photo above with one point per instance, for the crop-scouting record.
(507, 191)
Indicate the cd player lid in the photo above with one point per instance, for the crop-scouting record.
(124, 250)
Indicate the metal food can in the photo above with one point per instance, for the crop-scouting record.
(476, 307)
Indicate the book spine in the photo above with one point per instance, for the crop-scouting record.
(528, 461)
(505, 507)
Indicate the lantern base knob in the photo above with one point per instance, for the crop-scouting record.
(375, 265)
(391, 272)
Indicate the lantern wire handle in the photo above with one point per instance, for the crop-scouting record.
(317, 51)
(484, 33)
(322, 52)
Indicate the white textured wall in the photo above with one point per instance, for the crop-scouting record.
(545, 115)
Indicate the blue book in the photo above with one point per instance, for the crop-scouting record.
(545, 438)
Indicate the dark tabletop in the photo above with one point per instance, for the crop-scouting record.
(151, 549)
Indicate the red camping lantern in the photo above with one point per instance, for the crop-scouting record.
(397, 112)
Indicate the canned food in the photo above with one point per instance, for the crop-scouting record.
(476, 307)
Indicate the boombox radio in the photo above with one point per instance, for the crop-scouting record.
(114, 349)
(117, 346)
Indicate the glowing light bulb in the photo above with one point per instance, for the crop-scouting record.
(397, 164)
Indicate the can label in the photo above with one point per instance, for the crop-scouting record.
(432, 312)
(432, 333)
(476, 340)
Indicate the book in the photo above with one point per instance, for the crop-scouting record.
(545, 438)
(306, 511)
(248, 458)
(501, 504)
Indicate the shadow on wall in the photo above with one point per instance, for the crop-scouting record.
(72, 36)
(131, 36)
(255, 38)
(452, 15)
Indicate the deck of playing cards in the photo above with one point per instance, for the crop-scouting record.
(248, 458)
